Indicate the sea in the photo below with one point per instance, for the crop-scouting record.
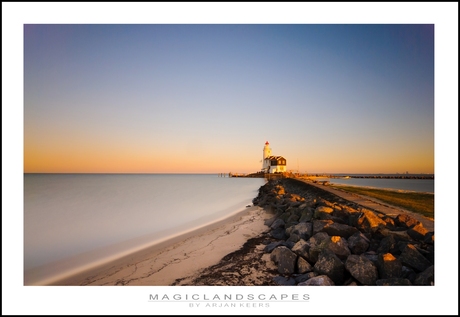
(75, 221)
(412, 182)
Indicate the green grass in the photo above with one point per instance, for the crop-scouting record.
(421, 203)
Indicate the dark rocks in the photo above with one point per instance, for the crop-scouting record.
(389, 266)
(413, 258)
(304, 230)
(323, 212)
(284, 281)
(405, 221)
(303, 266)
(338, 229)
(321, 280)
(393, 282)
(362, 269)
(285, 258)
(426, 277)
(358, 243)
(417, 232)
(325, 240)
(329, 264)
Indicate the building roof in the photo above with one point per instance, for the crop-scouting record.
(272, 157)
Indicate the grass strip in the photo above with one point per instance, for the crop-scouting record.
(421, 203)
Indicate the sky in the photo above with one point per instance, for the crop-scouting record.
(204, 98)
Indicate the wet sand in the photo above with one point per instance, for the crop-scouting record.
(183, 256)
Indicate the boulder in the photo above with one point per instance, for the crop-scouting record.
(329, 264)
(318, 225)
(323, 212)
(338, 229)
(303, 266)
(395, 281)
(405, 221)
(388, 266)
(426, 277)
(358, 243)
(271, 246)
(278, 233)
(362, 269)
(303, 229)
(408, 273)
(284, 281)
(387, 244)
(413, 258)
(304, 277)
(285, 258)
(301, 248)
(321, 280)
(278, 223)
(370, 222)
(417, 232)
(306, 215)
(339, 246)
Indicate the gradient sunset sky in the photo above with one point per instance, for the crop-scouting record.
(204, 98)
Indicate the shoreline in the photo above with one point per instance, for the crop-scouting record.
(177, 257)
(237, 250)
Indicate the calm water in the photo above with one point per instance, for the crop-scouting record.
(417, 185)
(98, 215)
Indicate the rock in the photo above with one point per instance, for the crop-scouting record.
(387, 244)
(321, 280)
(329, 264)
(405, 221)
(292, 220)
(306, 215)
(388, 266)
(362, 269)
(303, 230)
(285, 258)
(417, 232)
(301, 248)
(318, 225)
(317, 243)
(339, 246)
(269, 222)
(278, 233)
(429, 238)
(303, 266)
(294, 237)
(358, 243)
(278, 223)
(323, 212)
(304, 277)
(413, 258)
(284, 281)
(370, 222)
(270, 247)
(337, 229)
(426, 277)
(408, 273)
(393, 282)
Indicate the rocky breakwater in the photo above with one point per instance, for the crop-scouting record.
(317, 238)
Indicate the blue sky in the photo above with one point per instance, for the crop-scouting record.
(205, 98)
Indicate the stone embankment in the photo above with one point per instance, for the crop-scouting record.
(317, 238)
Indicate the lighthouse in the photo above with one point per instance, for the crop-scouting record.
(270, 163)
(267, 151)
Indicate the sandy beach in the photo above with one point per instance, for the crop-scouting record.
(180, 257)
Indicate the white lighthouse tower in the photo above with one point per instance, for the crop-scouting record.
(266, 154)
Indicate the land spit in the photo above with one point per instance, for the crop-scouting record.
(315, 237)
